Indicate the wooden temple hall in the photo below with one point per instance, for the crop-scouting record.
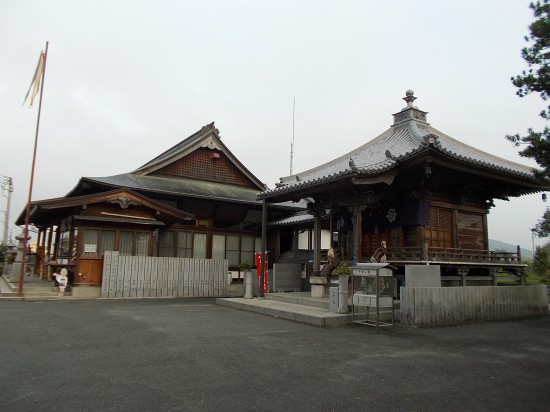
(412, 195)
(196, 200)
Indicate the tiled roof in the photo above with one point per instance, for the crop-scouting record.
(409, 135)
(179, 186)
(296, 219)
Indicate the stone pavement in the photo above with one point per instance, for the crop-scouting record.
(194, 355)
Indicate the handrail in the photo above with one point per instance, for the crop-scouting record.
(397, 254)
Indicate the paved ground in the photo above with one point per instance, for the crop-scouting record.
(192, 355)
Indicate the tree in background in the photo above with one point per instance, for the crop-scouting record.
(540, 263)
(536, 79)
(542, 228)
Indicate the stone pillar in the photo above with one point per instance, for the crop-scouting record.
(16, 267)
(248, 284)
(493, 273)
(343, 294)
(463, 273)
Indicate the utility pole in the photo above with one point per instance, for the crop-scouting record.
(7, 185)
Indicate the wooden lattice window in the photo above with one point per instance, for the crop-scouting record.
(439, 232)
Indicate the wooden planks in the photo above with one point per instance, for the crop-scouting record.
(154, 277)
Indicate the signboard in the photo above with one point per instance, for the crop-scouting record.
(259, 269)
(90, 248)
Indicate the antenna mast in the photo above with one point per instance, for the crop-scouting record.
(292, 144)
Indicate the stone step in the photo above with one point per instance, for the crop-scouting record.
(290, 311)
(303, 299)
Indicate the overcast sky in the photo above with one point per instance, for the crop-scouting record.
(126, 80)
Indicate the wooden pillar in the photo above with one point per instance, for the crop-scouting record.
(316, 244)
(264, 243)
(50, 235)
(357, 232)
(56, 244)
(425, 250)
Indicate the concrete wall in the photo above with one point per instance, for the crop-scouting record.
(443, 306)
(142, 276)
(422, 276)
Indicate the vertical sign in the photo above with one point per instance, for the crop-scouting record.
(258, 270)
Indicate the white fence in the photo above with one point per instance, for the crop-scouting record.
(443, 306)
(143, 276)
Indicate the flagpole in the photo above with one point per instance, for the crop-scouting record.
(28, 209)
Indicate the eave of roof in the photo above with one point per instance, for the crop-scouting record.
(117, 194)
(410, 136)
(179, 187)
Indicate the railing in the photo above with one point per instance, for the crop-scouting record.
(450, 255)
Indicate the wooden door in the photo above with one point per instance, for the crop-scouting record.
(471, 231)
(89, 271)
(439, 232)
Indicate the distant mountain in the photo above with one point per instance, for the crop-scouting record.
(498, 245)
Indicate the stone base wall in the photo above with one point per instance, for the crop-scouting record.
(444, 306)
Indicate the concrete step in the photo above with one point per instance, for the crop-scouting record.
(31, 290)
(291, 311)
(301, 298)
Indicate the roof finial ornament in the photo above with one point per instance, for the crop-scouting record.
(409, 97)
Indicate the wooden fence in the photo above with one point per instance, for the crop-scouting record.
(143, 276)
(443, 306)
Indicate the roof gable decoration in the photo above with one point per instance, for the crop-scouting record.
(207, 137)
(123, 202)
(123, 197)
(410, 112)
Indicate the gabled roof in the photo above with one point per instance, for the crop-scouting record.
(209, 137)
(150, 178)
(123, 197)
(407, 138)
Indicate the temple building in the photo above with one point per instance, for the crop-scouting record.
(412, 195)
(195, 200)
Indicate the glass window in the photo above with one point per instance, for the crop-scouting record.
(64, 244)
(199, 246)
(126, 245)
(91, 242)
(218, 247)
(166, 243)
(247, 249)
(142, 243)
(185, 245)
(107, 241)
(232, 253)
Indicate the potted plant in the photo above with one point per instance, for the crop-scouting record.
(248, 279)
(245, 266)
(341, 270)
